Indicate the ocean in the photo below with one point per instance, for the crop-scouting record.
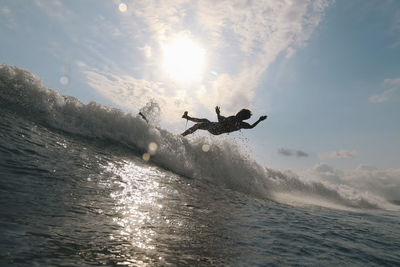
(87, 184)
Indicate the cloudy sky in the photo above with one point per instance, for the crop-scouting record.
(327, 73)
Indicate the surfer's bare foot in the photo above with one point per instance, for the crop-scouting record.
(185, 115)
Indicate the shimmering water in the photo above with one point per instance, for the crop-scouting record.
(70, 201)
(76, 193)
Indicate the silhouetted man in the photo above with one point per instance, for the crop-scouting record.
(224, 125)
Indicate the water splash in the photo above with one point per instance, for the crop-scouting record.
(224, 162)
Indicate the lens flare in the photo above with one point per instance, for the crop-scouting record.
(205, 148)
(146, 156)
(123, 7)
(64, 80)
(153, 148)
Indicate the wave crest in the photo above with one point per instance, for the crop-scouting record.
(223, 162)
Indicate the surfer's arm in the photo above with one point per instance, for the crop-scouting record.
(245, 125)
(220, 118)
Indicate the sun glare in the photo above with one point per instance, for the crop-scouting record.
(183, 59)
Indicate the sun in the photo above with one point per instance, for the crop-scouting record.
(183, 59)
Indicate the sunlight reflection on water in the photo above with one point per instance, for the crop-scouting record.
(138, 205)
(158, 218)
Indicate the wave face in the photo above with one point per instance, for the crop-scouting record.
(223, 163)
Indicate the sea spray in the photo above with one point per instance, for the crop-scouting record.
(222, 163)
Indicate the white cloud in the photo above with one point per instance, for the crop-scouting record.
(133, 94)
(392, 82)
(55, 9)
(391, 85)
(341, 154)
(241, 38)
(263, 30)
(230, 92)
(395, 29)
(379, 98)
(146, 51)
(254, 33)
(4, 10)
(102, 25)
(7, 15)
(163, 17)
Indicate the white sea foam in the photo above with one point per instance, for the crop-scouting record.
(223, 162)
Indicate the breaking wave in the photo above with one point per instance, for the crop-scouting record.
(222, 162)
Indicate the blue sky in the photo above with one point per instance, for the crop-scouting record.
(326, 72)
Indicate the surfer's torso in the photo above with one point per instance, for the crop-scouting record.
(229, 124)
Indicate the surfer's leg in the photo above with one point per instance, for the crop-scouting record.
(197, 120)
(198, 126)
(191, 129)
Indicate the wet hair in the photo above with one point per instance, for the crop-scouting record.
(244, 114)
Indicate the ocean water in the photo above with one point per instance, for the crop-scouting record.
(84, 185)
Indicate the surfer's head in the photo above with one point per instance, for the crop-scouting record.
(244, 114)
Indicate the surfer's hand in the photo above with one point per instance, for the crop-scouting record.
(217, 110)
(263, 118)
